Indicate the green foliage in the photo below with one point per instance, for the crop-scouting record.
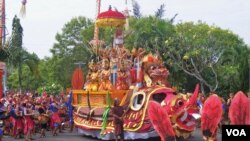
(71, 47)
(50, 88)
(19, 60)
(193, 53)
(29, 82)
(3, 54)
(150, 33)
(207, 53)
(17, 33)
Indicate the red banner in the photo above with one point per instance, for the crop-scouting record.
(77, 79)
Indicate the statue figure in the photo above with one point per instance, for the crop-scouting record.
(92, 82)
(122, 80)
(155, 73)
(113, 65)
(105, 73)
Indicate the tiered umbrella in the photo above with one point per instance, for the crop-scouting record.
(110, 18)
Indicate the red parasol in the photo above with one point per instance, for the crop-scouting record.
(77, 79)
(111, 18)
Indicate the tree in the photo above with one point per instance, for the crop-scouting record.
(200, 50)
(4, 53)
(17, 33)
(72, 46)
(16, 48)
(150, 33)
(19, 56)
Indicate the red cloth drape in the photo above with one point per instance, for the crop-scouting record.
(77, 81)
(1, 84)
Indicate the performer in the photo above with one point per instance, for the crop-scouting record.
(2, 116)
(18, 124)
(211, 116)
(55, 119)
(118, 113)
(43, 119)
(28, 122)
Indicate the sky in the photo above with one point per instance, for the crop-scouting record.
(45, 18)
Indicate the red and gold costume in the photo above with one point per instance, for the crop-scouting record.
(28, 121)
(210, 117)
(239, 110)
(122, 80)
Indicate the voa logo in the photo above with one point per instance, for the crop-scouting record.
(236, 132)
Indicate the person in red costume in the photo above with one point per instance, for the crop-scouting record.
(28, 122)
(117, 113)
(242, 116)
(211, 116)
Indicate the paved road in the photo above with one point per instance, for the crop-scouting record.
(76, 137)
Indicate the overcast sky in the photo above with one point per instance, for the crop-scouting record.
(44, 18)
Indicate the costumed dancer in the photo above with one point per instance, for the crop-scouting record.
(118, 114)
(239, 110)
(8, 126)
(55, 119)
(28, 122)
(43, 119)
(210, 117)
(62, 113)
(18, 121)
(2, 117)
(161, 121)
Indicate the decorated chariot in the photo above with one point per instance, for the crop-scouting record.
(139, 81)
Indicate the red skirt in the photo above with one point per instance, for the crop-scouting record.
(17, 125)
(55, 119)
(28, 124)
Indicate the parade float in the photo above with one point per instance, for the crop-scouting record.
(139, 81)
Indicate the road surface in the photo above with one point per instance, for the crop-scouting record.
(66, 136)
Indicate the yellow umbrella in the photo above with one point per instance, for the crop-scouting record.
(110, 18)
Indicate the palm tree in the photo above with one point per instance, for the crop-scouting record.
(18, 55)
